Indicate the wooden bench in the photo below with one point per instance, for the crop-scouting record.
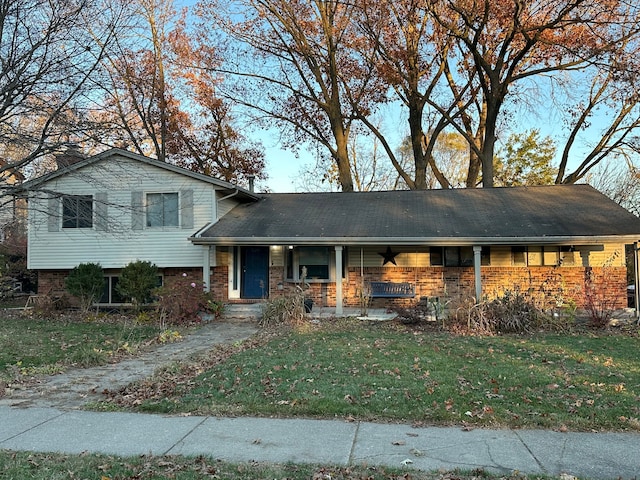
(392, 290)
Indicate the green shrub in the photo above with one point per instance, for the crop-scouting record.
(137, 281)
(86, 281)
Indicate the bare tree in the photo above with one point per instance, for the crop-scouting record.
(47, 56)
(297, 68)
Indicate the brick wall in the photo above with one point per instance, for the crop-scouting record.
(218, 281)
(51, 282)
(546, 286)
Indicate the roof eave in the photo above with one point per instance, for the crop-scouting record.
(426, 241)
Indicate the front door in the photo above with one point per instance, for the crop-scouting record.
(254, 263)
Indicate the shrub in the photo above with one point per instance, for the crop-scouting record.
(86, 281)
(598, 304)
(510, 313)
(289, 309)
(182, 300)
(137, 281)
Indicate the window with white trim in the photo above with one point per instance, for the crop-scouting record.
(110, 294)
(319, 262)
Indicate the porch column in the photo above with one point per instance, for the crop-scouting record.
(636, 282)
(477, 261)
(339, 280)
(206, 268)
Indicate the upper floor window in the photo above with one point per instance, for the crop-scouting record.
(77, 211)
(162, 210)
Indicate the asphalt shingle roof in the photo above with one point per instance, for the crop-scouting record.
(559, 213)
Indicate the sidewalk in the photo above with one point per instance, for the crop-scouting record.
(47, 418)
(331, 442)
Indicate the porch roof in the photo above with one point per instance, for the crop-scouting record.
(558, 214)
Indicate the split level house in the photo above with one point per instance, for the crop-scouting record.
(394, 248)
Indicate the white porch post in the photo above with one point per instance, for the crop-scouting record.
(636, 282)
(206, 268)
(477, 261)
(339, 280)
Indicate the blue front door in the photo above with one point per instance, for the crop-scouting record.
(255, 272)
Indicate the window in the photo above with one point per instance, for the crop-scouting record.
(457, 256)
(110, 293)
(316, 259)
(162, 210)
(319, 261)
(537, 256)
(77, 211)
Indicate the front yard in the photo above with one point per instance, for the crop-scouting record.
(346, 369)
(34, 346)
(393, 372)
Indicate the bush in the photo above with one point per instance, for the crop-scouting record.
(289, 309)
(86, 281)
(511, 313)
(181, 301)
(137, 281)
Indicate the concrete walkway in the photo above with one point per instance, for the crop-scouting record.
(46, 418)
(329, 442)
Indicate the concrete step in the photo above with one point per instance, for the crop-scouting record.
(242, 311)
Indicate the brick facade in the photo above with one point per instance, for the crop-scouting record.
(546, 286)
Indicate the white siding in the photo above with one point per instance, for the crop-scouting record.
(112, 241)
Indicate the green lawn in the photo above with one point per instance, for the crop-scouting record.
(391, 372)
(41, 466)
(31, 345)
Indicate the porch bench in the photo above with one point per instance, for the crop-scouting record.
(392, 290)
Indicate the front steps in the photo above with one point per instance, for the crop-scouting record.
(242, 312)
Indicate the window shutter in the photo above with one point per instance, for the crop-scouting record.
(137, 211)
(101, 211)
(53, 219)
(186, 208)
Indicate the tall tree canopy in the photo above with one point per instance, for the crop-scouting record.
(300, 64)
(47, 56)
(161, 97)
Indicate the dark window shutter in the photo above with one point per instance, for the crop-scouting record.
(101, 211)
(53, 212)
(137, 211)
(186, 208)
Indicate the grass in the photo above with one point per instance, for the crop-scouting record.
(41, 466)
(395, 373)
(30, 346)
(343, 369)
